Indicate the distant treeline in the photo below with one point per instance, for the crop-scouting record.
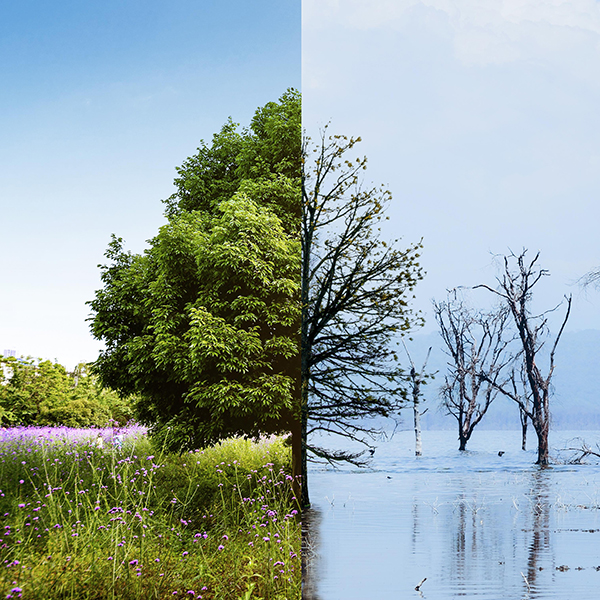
(34, 392)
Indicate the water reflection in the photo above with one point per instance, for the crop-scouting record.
(472, 526)
(311, 519)
(540, 555)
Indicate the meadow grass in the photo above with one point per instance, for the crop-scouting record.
(83, 519)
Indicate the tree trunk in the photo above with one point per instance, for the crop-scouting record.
(417, 414)
(305, 347)
(542, 427)
(296, 431)
(524, 424)
(304, 498)
(543, 454)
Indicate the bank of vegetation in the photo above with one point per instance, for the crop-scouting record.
(84, 518)
(40, 392)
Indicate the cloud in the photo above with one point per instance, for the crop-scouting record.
(482, 31)
(481, 116)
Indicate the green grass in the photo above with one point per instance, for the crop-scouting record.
(88, 523)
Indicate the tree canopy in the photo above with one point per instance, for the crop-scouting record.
(264, 161)
(356, 291)
(204, 325)
(40, 392)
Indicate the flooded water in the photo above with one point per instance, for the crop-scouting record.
(472, 524)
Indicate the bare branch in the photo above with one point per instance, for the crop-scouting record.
(355, 293)
(516, 286)
(477, 344)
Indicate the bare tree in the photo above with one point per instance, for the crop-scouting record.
(356, 290)
(417, 379)
(591, 278)
(521, 391)
(577, 454)
(477, 345)
(515, 287)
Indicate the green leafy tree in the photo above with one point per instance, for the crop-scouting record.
(31, 389)
(44, 393)
(204, 326)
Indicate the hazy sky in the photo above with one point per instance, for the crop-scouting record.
(483, 117)
(99, 102)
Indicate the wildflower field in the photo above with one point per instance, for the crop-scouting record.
(87, 514)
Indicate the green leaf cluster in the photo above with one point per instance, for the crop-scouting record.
(44, 393)
(204, 325)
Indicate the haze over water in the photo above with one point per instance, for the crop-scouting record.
(475, 524)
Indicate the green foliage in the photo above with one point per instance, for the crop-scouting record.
(44, 393)
(269, 151)
(204, 326)
(213, 324)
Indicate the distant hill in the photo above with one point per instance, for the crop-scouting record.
(574, 405)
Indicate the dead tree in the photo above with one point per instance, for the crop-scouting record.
(477, 345)
(417, 379)
(591, 279)
(515, 287)
(580, 452)
(521, 390)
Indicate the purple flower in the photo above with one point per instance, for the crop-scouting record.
(133, 562)
(221, 548)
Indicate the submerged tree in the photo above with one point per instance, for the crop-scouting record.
(515, 287)
(476, 343)
(355, 290)
(417, 378)
(519, 388)
(204, 325)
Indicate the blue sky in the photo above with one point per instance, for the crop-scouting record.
(99, 102)
(482, 118)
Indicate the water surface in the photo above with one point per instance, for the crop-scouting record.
(474, 524)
